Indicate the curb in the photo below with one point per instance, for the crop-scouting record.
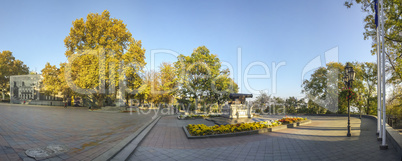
(28, 105)
(126, 147)
(189, 136)
(393, 135)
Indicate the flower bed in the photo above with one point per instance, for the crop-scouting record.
(291, 120)
(188, 117)
(201, 129)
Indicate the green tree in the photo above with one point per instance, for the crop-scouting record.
(393, 38)
(200, 77)
(314, 108)
(291, 104)
(221, 88)
(102, 52)
(394, 104)
(318, 90)
(302, 106)
(324, 85)
(9, 66)
(369, 76)
(315, 87)
(278, 105)
(262, 101)
(358, 86)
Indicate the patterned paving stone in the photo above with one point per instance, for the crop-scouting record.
(87, 134)
(323, 139)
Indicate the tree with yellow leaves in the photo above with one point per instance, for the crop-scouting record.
(101, 53)
(9, 66)
(54, 81)
(168, 82)
(51, 81)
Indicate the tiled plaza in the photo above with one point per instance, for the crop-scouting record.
(89, 134)
(323, 139)
(86, 134)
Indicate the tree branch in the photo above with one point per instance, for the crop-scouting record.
(392, 65)
(392, 39)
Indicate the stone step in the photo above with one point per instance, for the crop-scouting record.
(130, 148)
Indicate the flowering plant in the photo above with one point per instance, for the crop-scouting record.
(348, 94)
(201, 129)
(291, 120)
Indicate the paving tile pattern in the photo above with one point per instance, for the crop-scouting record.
(87, 134)
(323, 139)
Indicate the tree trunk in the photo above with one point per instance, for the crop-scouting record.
(368, 106)
(127, 99)
(99, 100)
(196, 104)
(3, 95)
(100, 103)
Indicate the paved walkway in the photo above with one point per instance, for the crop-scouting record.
(324, 139)
(87, 134)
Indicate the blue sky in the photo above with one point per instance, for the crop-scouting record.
(293, 32)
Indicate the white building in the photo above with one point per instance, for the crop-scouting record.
(26, 89)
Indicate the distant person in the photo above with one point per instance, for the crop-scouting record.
(65, 105)
(24, 102)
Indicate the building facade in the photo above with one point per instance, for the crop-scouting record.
(26, 89)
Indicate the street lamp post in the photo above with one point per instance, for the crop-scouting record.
(348, 79)
(360, 111)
